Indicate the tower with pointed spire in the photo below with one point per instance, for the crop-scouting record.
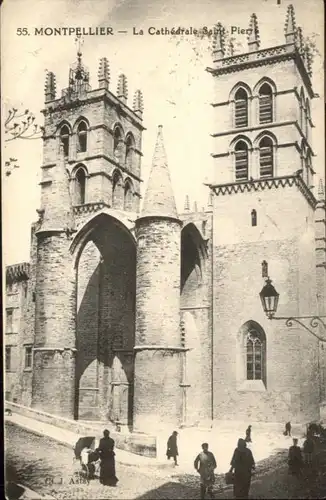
(158, 339)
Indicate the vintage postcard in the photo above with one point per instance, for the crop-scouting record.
(164, 249)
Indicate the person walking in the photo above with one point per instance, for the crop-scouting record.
(295, 461)
(172, 447)
(248, 434)
(205, 464)
(287, 431)
(242, 464)
(107, 457)
(308, 449)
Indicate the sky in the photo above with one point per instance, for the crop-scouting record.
(170, 71)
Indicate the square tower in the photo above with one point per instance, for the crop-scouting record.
(263, 210)
(101, 136)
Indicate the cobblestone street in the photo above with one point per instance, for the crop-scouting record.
(47, 467)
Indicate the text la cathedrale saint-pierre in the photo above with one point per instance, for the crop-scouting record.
(108, 30)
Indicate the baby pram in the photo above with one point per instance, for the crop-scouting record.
(88, 456)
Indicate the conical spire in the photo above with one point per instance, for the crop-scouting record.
(253, 36)
(58, 214)
(290, 26)
(159, 198)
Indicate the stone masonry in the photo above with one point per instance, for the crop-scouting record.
(151, 318)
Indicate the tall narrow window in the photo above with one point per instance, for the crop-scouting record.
(253, 217)
(9, 320)
(82, 137)
(8, 359)
(117, 143)
(129, 151)
(127, 205)
(241, 161)
(117, 191)
(241, 108)
(307, 119)
(28, 356)
(266, 157)
(80, 183)
(64, 137)
(255, 355)
(265, 104)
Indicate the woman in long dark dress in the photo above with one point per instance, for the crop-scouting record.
(242, 464)
(107, 456)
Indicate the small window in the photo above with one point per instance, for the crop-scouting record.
(129, 152)
(82, 137)
(241, 108)
(64, 137)
(9, 320)
(265, 104)
(241, 161)
(28, 356)
(8, 359)
(253, 217)
(266, 157)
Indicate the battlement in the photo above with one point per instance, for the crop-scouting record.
(17, 272)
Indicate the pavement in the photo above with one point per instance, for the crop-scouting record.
(222, 442)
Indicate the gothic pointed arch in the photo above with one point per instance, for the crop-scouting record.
(79, 175)
(118, 141)
(240, 148)
(117, 189)
(193, 256)
(241, 112)
(130, 149)
(128, 195)
(64, 132)
(266, 91)
(253, 347)
(81, 129)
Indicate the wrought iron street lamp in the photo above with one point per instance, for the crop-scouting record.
(269, 299)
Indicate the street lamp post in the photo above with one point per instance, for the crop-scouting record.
(269, 298)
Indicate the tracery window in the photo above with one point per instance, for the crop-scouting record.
(255, 355)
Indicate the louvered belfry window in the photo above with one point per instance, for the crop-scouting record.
(266, 157)
(265, 104)
(241, 161)
(241, 108)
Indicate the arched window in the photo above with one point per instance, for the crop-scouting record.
(266, 157)
(117, 191)
(241, 161)
(80, 186)
(265, 104)
(129, 151)
(255, 344)
(82, 137)
(241, 108)
(127, 201)
(253, 217)
(64, 138)
(117, 143)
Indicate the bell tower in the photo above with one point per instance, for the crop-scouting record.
(263, 210)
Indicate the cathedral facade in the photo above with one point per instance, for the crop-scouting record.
(153, 317)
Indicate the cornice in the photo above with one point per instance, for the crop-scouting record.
(265, 184)
(17, 272)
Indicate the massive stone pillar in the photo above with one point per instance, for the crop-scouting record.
(53, 387)
(157, 396)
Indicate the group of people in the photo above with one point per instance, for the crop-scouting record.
(297, 460)
(242, 466)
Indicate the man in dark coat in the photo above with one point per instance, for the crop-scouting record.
(107, 456)
(295, 460)
(242, 464)
(287, 429)
(172, 447)
(248, 434)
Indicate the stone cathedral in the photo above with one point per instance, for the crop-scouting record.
(153, 317)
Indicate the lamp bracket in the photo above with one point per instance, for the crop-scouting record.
(315, 322)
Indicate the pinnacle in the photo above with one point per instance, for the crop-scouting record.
(159, 198)
(253, 37)
(290, 25)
